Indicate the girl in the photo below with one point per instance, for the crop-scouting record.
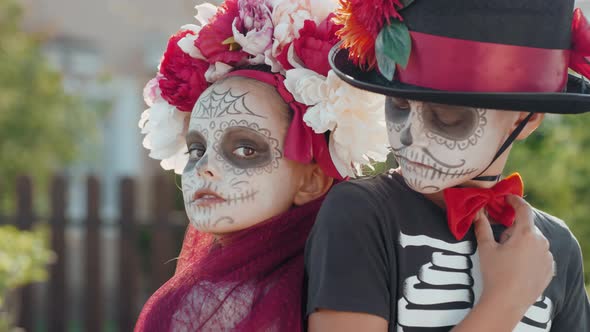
(245, 107)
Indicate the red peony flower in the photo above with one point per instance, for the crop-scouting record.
(216, 38)
(362, 21)
(283, 58)
(183, 77)
(313, 45)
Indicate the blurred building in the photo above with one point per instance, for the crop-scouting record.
(107, 50)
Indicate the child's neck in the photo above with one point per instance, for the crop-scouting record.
(438, 197)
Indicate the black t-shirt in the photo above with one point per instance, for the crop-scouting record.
(379, 247)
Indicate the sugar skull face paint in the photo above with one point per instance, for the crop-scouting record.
(440, 146)
(237, 175)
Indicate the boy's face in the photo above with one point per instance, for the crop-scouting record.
(441, 146)
(237, 175)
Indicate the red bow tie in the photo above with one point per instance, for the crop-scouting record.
(464, 203)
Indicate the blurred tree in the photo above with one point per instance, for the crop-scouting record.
(40, 124)
(557, 174)
(24, 256)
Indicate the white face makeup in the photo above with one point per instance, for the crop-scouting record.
(237, 175)
(440, 146)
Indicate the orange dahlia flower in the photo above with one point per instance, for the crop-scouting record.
(362, 21)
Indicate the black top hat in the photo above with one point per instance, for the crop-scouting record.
(500, 54)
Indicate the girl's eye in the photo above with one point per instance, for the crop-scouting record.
(244, 152)
(196, 152)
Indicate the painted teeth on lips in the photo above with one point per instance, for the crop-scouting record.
(414, 163)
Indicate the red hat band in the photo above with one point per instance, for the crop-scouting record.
(449, 64)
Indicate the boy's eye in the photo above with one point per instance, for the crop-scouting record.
(451, 122)
(244, 152)
(397, 110)
(447, 118)
(196, 152)
(400, 103)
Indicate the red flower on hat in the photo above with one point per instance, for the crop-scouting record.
(216, 40)
(362, 21)
(183, 77)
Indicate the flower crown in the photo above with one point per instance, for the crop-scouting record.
(292, 37)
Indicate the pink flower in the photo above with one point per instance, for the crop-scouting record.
(312, 46)
(182, 77)
(151, 92)
(216, 40)
(288, 18)
(253, 28)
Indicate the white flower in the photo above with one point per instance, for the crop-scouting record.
(354, 116)
(288, 17)
(306, 86)
(272, 61)
(165, 128)
(187, 44)
(217, 71)
(320, 9)
(205, 12)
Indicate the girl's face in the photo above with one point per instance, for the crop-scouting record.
(440, 146)
(237, 175)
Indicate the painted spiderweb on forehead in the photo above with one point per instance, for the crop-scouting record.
(218, 105)
(253, 282)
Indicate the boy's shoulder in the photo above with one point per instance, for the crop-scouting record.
(374, 200)
(556, 231)
(377, 188)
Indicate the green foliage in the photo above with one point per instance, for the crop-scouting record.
(24, 256)
(40, 124)
(393, 46)
(556, 173)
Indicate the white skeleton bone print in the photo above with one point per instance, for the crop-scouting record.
(445, 289)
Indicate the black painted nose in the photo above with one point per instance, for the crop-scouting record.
(406, 137)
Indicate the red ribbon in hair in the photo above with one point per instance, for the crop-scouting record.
(302, 144)
(580, 44)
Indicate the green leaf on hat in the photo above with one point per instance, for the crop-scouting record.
(395, 43)
(386, 65)
(406, 3)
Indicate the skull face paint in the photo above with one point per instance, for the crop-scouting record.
(236, 175)
(440, 146)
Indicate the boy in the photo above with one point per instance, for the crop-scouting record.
(463, 81)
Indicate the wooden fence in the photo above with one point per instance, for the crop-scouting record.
(164, 236)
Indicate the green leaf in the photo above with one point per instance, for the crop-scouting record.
(386, 65)
(406, 3)
(394, 42)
